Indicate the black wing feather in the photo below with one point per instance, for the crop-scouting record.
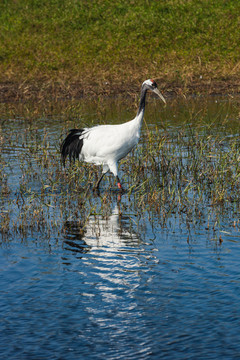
(72, 145)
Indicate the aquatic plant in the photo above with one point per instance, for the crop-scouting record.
(189, 171)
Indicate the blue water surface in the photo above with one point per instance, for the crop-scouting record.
(117, 291)
(120, 297)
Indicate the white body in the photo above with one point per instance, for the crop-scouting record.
(107, 144)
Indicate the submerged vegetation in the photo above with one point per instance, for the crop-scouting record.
(189, 172)
(70, 48)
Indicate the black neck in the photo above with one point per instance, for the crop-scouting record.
(142, 100)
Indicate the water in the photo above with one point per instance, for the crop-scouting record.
(122, 286)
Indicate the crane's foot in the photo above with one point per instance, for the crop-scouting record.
(121, 189)
(119, 185)
(96, 190)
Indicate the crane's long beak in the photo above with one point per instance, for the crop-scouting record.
(156, 91)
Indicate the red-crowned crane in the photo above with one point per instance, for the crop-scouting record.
(106, 145)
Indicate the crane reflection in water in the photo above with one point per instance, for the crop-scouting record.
(110, 247)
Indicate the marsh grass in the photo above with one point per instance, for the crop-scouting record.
(187, 173)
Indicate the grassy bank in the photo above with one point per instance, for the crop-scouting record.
(74, 48)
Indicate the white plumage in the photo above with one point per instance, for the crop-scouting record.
(106, 145)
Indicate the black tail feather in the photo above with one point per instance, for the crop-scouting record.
(72, 145)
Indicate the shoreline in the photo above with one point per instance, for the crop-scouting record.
(53, 90)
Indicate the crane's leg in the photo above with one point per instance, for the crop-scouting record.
(98, 182)
(113, 168)
(104, 171)
(119, 184)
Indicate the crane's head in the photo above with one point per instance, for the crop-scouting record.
(152, 85)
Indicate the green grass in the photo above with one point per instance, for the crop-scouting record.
(120, 41)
